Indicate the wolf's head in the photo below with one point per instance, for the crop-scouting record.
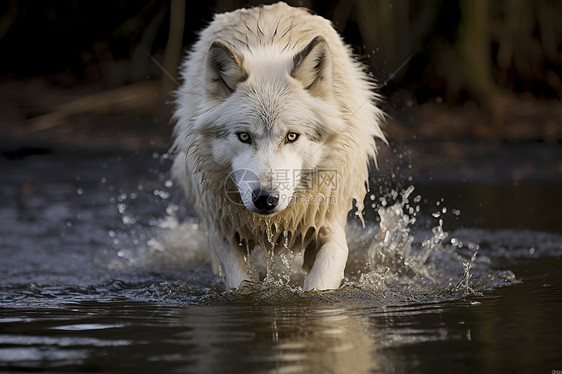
(269, 117)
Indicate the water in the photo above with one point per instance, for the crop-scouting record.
(104, 270)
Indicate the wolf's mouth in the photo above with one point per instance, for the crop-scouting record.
(265, 212)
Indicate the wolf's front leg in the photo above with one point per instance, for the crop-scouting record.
(327, 271)
(230, 261)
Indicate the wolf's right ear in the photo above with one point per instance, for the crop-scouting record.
(313, 68)
(224, 71)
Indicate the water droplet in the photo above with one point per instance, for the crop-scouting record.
(161, 194)
(128, 220)
(171, 209)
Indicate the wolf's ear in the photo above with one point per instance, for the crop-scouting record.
(313, 68)
(224, 71)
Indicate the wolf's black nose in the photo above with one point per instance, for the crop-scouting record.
(264, 200)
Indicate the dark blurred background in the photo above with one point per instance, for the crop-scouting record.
(460, 78)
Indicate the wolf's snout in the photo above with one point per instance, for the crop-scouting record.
(264, 200)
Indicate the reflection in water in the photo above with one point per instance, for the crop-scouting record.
(314, 337)
(307, 339)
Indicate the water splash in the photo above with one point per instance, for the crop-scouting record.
(398, 259)
(424, 266)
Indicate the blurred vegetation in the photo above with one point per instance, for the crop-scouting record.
(444, 59)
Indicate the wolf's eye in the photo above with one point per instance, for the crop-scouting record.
(292, 136)
(244, 137)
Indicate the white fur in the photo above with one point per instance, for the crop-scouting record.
(266, 72)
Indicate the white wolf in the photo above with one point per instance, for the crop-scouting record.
(275, 127)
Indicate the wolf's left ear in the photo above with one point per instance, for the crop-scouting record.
(313, 68)
(224, 71)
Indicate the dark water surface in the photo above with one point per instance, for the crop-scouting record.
(103, 270)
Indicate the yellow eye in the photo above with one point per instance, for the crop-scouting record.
(292, 136)
(244, 137)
